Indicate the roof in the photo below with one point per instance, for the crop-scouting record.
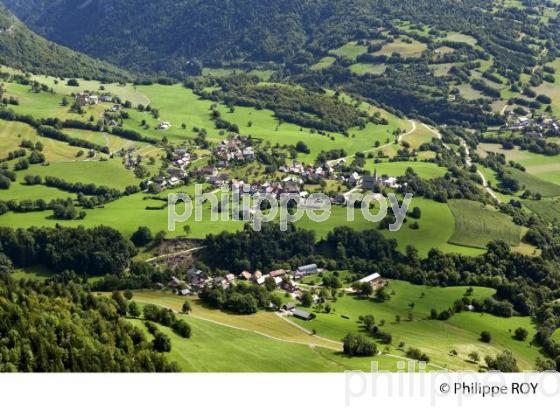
(303, 314)
(308, 267)
(278, 272)
(370, 278)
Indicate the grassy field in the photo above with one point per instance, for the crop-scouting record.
(110, 172)
(544, 168)
(528, 181)
(264, 342)
(461, 38)
(325, 62)
(549, 209)
(476, 225)
(552, 89)
(350, 51)
(405, 49)
(12, 133)
(421, 135)
(426, 170)
(365, 68)
(436, 338)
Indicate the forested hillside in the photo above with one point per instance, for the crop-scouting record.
(20, 48)
(167, 35)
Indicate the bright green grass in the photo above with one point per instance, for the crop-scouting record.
(413, 49)
(13, 132)
(461, 38)
(476, 225)
(549, 209)
(125, 92)
(216, 348)
(421, 135)
(426, 170)
(365, 68)
(535, 184)
(110, 173)
(350, 51)
(325, 62)
(436, 227)
(436, 338)
(180, 105)
(19, 191)
(545, 168)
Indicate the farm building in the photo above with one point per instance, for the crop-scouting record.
(375, 280)
(306, 270)
(301, 314)
(245, 275)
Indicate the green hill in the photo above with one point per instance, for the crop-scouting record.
(22, 49)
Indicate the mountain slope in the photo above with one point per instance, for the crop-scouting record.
(167, 35)
(21, 48)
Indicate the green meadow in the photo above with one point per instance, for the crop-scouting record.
(436, 338)
(476, 225)
(426, 170)
(263, 342)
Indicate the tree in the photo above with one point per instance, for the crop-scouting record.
(187, 229)
(186, 307)
(133, 310)
(5, 182)
(363, 289)
(485, 336)
(142, 236)
(302, 147)
(182, 328)
(128, 294)
(521, 334)
(358, 345)
(72, 83)
(504, 362)
(270, 283)
(161, 343)
(474, 357)
(307, 299)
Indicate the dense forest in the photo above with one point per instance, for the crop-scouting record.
(218, 31)
(22, 49)
(62, 328)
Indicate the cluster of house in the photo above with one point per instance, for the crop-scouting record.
(236, 148)
(130, 160)
(539, 125)
(308, 172)
(87, 98)
(197, 279)
(181, 158)
(284, 279)
(369, 182)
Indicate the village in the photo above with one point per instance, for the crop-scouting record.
(284, 280)
(541, 125)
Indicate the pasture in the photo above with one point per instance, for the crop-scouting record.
(426, 170)
(263, 342)
(407, 49)
(436, 338)
(350, 51)
(476, 225)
